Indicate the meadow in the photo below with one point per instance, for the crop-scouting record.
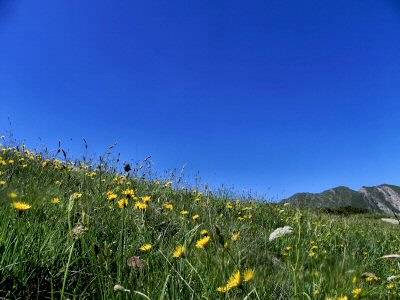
(73, 230)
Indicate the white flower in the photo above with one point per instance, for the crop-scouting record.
(279, 232)
(118, 287)
(393, 277)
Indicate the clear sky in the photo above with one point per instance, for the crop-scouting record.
(271, 96)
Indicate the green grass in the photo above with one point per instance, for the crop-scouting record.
(41, 258)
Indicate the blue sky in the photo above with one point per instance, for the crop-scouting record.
(275, 96)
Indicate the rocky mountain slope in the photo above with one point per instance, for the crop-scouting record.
(383, 198)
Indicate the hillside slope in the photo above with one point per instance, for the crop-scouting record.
(73, 231)
(382, 199)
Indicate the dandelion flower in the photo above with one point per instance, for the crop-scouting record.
(235, 236)
(146, 199)
(2, 182)
(279, 232)
(357, 293)
(55, 200)
(21, 206)
(179, 252)
(146, 248)
(248, 275)
(184, 212)
(129, 193)
(195, 217)
(141, 205)
(111, 195)
(203, 242)
(229, 205)
(168, 206)
(234, 281)
(123, 203)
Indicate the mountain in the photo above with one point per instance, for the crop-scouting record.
(384, 198)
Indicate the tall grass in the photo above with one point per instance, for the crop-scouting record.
(89, 246)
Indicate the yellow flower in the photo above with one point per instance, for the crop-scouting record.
(229, 205)
(129, 193)
(55, 200)
(341, 297)
(357, 293)
(391, 286)
(234, 281)
(184, 212)
(2, 182)
(141, 205)
(203, 242)
(248, 275)
(76, 196)
(179, 252)
(146, 199)
(111, 195)
(146, 248)
(21, 206)
(168, 206)
(123, 203)
(204, 232)
(195, 217)
(235, 236)
(13, 195)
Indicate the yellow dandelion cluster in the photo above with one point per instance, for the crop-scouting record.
(128, 193)
(141, 206)
(357, 293)
(237, 279)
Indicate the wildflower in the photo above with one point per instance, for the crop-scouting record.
(129, 193)
(179, 252)
(21, 206)
(13, 195)
(203, 242)
(141, 205)
(279, 232)
(235, 236)
(111, 195)
(168, 206)
(229, 205)
(55, 200)
(370, 277)
(146, 248)
(123, 203)
(146, 199)
(2, 182)
(78, 231)
(184, 212)
(195, 217)
(357, 293)
(204, 232)
(234, 281)
(120, 288)
(248, 275)
(390, 286)
(76, 196)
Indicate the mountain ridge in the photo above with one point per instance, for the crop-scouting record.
(383, 198)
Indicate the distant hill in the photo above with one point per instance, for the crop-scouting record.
(384, 198)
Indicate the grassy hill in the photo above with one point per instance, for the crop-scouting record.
(73, 231)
